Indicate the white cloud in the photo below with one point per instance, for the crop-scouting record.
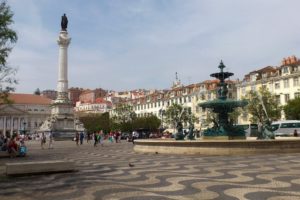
(141, 44)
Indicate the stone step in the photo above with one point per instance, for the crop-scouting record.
(38, 167)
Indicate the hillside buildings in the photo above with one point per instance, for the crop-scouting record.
(282, 81)
(29, 111)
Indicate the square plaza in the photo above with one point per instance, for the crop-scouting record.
(115, 171)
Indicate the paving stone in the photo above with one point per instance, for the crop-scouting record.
(115, 171)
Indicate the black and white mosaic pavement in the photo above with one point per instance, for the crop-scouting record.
(115, 171)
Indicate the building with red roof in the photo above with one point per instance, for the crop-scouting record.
(25, 114)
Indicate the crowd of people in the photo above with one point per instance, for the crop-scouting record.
(14, 146)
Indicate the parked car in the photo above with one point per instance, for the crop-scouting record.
(125, 135)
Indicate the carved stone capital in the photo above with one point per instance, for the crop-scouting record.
(63, 39)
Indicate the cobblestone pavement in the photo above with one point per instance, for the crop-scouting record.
(104, 173)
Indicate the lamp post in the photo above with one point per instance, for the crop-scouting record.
(24, 128)
(161, 113)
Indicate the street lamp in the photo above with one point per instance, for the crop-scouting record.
(24, 128)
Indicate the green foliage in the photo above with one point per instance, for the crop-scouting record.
(150, 122)
(124, 113)
(255, 107)
(292, 109)
(7, 38)
(96, 122)
(176, 113)
(233, 116)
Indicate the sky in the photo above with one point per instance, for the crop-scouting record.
(130, 44)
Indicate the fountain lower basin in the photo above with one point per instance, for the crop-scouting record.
(218, 147)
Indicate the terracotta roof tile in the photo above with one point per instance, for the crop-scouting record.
(29, 99)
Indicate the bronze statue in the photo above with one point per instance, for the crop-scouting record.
(64, 22)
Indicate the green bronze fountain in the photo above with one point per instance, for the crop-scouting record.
(222, 106)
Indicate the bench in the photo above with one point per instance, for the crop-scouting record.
(38, 167)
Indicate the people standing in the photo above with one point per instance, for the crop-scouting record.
(117, 136)
(295, 133)
(101, 138)
(50, 140)
(111, 135)
(88, 137)
(77, 138)
(13, 147)
(81, 137)
(43, 140)
(95, 139)
(22, 148)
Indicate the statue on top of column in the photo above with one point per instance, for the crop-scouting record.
(64, 22)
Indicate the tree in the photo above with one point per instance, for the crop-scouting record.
(150, 122)
(7, 38)
(124, 113)
(256, 109)
(292, 109)
(37, 92)
(176, 113)
(233, 116)
(96, 122)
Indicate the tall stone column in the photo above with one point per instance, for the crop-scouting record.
(62, 122)
(62, 85)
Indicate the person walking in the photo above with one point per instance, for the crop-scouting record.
(95, 139)
(50, 140)
(101, 138)
(77, 138)
(88, 137)
(13, 147)
(43, 140)
(81, 137)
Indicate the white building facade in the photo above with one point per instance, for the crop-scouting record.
(26, 113)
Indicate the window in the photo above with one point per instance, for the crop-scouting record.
(277, 99)
(285, 70)
(286, 97)
(296, 81)
(286, 83)
(243, 90)
(264, 75)
(277, 85)
(297, 94)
